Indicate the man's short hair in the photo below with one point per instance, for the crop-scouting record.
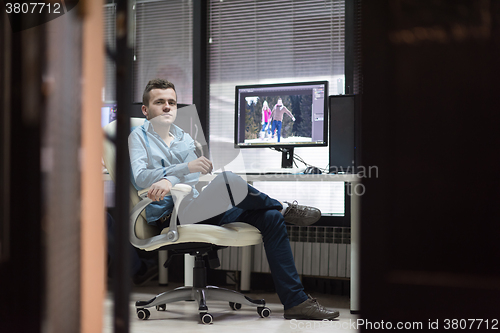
(156, 84)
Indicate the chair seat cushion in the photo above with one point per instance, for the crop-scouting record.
(231, 234)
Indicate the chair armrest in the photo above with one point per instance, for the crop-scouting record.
(143, 193)
(178, 192)
(180, 188)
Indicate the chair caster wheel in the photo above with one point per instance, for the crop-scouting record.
(162, 307)
(206, 318)
(235, 306)
(264, 312)
(143, 314)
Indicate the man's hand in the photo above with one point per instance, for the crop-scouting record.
(159, 190)
(201, 164)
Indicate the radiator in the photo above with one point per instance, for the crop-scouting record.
(318, 251)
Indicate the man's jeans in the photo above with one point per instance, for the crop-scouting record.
(277, 124)
(241, 202)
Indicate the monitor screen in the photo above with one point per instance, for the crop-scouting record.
(281, 115)
(108, 113)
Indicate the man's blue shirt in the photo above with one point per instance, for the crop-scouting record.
(152, 160)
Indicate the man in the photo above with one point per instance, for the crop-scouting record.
(277, 115)
(162, 155)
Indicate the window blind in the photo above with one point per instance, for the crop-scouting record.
(326, 196)
(109, 16)
(163, 46)
(358, 77)
(275, 41)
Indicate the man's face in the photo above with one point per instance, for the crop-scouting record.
(162, 106)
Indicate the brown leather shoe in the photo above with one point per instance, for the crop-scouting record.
(301, 215)
(310, 309)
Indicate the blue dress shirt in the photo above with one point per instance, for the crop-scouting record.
(152, 160)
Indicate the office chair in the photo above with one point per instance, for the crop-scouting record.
(198, 240)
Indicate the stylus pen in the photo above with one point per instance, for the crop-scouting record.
(198, 155)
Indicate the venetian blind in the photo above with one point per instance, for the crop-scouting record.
(163, 46)
(110, 42)
(275, 41)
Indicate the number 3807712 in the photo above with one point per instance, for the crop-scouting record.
(32, 7)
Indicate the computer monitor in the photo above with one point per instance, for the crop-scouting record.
(282, 116)
(345, 136)
(108, 113)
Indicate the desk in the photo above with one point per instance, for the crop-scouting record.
(354, 180)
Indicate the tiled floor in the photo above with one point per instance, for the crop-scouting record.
(183, 316)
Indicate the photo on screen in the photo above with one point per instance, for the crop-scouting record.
(263, 112)
(281, 115)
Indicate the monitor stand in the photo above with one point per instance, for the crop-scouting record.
(287, 157)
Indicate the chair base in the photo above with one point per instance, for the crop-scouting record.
(200, 291)
(200, 295)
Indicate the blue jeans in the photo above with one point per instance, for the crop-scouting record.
(277, 124)
(249, 205)
(264, 128)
